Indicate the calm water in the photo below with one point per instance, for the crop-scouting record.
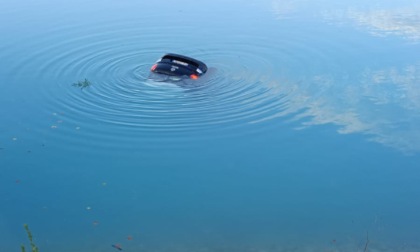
(304, 136)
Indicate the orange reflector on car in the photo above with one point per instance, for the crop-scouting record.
(193, 76)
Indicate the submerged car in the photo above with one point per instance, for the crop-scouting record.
(177, 67)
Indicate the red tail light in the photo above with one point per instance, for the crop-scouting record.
(193, 76)
(153, 67)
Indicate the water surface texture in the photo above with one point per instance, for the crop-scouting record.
(303, 136)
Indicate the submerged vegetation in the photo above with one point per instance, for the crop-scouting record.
(82, 84)
(367, 242)
(34, 248)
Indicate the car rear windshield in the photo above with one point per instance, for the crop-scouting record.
(181, 61)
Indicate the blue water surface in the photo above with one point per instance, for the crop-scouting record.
(303, 136)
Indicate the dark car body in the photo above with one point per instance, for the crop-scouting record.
(179, 66)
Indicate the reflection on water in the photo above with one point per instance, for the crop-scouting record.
(382, 103)
(402, 19)
(404, 22)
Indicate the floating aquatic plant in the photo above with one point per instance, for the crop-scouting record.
(82, 84)
(34, 248)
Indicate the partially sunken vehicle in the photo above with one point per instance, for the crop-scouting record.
(177, 67)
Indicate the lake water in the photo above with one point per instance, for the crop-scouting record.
(304, 136)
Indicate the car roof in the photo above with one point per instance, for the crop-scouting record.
(188, 60)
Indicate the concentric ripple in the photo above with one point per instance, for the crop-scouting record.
(246, 84)
(121, 94)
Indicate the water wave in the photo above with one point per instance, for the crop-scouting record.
(237, 90)
(254, 77)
